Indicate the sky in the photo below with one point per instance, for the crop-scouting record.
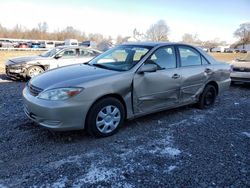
(209, 19)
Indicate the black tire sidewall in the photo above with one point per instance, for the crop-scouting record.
(202, 101)
(95, 109)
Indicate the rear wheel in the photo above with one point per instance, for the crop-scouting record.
(34, 70)
(105, 117)
(208, 97)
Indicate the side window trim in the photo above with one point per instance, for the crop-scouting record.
(203, 57)
(179, 55)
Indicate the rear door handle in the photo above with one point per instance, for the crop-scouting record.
(176, 76)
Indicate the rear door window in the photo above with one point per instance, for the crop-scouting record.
(189, 56)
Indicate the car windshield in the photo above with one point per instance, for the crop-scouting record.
(121, 58)
(50, 53)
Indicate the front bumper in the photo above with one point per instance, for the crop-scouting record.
(56, 115)
(240, 76)
(15, 72)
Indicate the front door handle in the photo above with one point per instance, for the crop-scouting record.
(208, 71)
(176, 76)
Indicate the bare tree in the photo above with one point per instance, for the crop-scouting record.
(243, 33)
(120, 39)
(96, 37)
(190, 38)
(158, 31)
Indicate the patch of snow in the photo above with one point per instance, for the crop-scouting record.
(198, 118)
(2, 186)
(97, 174)
(124, 185)
(179, 123)
(159, 122)
(163, 147)
(60, 183)
(246, 134)
(71, 159)
(171, 168)
(170, 151)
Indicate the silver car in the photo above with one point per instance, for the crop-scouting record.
(241, 69)
(30, 66)
(126, 82)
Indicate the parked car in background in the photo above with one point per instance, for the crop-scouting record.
(125, 82)
(241, 69)
(88, 43)
(204, 48)
(22, 45)
(59, 44)
(30, 66)
(6, 44)
(243, 51)
(71, 42)
(229, 50)
(35, 45)
(29, 43)
(47, 44)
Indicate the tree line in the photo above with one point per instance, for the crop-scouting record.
(158, 31)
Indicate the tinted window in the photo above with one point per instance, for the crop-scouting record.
(164, 58)
(86, 53)
(189, 56)
(69, 53)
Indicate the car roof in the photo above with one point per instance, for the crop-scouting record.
(154, 44)
(74, 47)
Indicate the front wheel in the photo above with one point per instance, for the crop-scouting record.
(208, 97)
(34, 70)
(105, 117)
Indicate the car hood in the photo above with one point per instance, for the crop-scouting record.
(69, 76)
(20, 60)
(245, 64)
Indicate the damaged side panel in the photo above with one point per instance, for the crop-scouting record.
(155, 90)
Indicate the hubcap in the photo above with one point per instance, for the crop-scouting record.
(35, 71)
(108, 119)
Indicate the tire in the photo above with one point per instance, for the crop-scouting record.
(110, 114)
(208, 97)
(33, 71)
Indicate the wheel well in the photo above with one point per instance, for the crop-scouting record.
(116, 96)
(41, 66)
(213, 83)
(36, 65)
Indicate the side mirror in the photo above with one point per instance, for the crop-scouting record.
(57, 56)
(148, 68)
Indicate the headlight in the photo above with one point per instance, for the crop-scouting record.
(59, 93)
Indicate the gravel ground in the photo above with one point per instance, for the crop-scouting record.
(184, 147)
